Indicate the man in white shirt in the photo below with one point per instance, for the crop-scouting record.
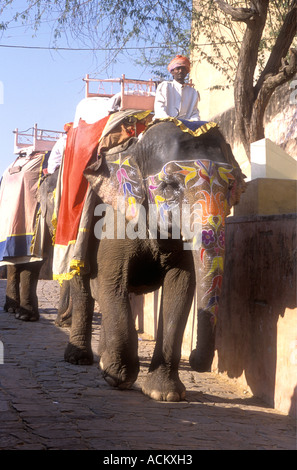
(176, 98)
(58, 150)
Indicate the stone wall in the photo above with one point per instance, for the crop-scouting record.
(256, 340)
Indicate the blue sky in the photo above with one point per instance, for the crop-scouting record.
(45, 86)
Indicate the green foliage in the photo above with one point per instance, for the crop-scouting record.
(147, 32)
(154, 30)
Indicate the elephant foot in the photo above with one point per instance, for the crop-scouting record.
(64, 321)
(117, 374)
(201, 361)
(162, 385)
(11, 305)
(26, 315)
(78, 355)
(11, 309)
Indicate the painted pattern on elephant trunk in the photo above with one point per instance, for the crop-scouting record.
(208, 187)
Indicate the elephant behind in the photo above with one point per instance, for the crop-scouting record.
(19, 210)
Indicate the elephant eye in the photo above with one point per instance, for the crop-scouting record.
(174, 185)
(169, 188)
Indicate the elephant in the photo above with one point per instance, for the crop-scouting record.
(47, 208)
(142, 241)
(19, 210)
(22, 278)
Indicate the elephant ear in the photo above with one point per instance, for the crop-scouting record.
(117, 180)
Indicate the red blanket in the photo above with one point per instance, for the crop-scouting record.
(82, 143)
(74, 201)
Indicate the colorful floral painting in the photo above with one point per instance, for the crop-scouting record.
(207, 188)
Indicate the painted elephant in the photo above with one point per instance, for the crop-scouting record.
(165, 199)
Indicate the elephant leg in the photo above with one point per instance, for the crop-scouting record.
(29, 274)
(12, 300)
(65, 306)
(163, 382)
(79, 349)
(118, 348)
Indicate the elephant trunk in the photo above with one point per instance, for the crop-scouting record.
(208, 260)
(202, 356)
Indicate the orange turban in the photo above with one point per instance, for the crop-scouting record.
(67, 126)
(179, 61)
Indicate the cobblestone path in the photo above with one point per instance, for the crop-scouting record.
(48, 404)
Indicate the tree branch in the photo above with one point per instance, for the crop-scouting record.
(237, 14)
(244, 97)
(271, 82)
(281, 46)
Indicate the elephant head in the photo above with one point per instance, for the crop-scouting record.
(179, 186)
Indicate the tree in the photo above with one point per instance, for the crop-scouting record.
(251, 93)
(145, 32)
(152, 32)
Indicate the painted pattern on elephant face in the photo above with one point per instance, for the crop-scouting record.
(204, 189)
(207, 187)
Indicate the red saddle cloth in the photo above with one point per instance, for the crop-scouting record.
(81, 146)
(73, 205)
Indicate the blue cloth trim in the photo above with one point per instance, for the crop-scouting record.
(16, 246)
(192, 125)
